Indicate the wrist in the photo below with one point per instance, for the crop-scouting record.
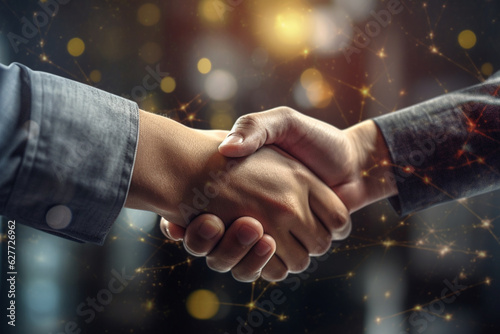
(168, 160)
(373, 162)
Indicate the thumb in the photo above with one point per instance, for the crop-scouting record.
(172, 231)
(252, 131)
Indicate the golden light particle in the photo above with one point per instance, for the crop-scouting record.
(204, 65)
(467, 39)
(168, 84)
(76, 47)
(95, 76)
(378, 320)
(202, 304)
(387, 294)
(448, 317)
(148, 14)
(487, 69)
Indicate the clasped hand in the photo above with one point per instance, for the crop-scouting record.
(267, 213)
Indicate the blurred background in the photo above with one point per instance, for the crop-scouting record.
(205, 63)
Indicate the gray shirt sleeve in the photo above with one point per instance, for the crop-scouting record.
(67, 152)
(446, 148)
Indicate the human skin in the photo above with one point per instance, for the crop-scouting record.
(354, 162)
(175, 167)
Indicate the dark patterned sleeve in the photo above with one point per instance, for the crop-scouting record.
(446, 148)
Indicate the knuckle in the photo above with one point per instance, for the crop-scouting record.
(340, 217)
(220, 266)
(275, 275)
(242, 276)
(300, 263)
(322, 246)
(248, 121)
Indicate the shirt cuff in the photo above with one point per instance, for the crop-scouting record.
(78, 161)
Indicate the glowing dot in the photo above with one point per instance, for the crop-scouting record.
(427, 180)
(378, 320)
(251, 305)
(467, 39)
(365, 91)
(168, 84)
(148, 14)
(486, 223)
(388, 243)
(418, 308)
(364, 173)
(444, 250)
(149, 305)
(382, 53)
(95, 76)
(487, 281)
(434, 49)
(43, 57)
(306, 52)
(481, 254)
(202, 304)
(383, 218)
(448, 317)
(204, 65)
(387, 294)
(76, 47)
(487, 69)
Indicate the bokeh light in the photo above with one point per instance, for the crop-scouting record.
(76, 47)
(168, 84)
(148, 14)
(221, 85)
(467, 39)
(285, 28)
(95, 76)
(202, 304)
(204, 65)
(310, 77)
(487, 69)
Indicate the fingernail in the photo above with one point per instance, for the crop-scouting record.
(208, 230)
(232, 139)
(247, 235)
(262, 248)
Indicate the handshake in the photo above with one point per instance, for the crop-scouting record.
(277, 190)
